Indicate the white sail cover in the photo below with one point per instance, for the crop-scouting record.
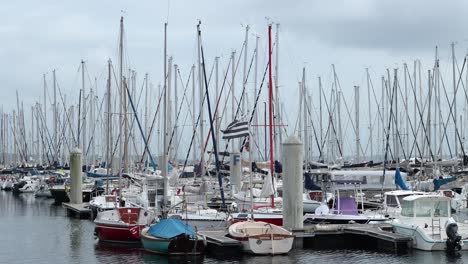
(267, 188)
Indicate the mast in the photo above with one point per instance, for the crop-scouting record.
(396, 113)
(270, 109)
(218, 118)
(255, 146)
(455, 98)
(165, 133)
(169, 107)
(306, 135)
(194, 119)
(370, 115)
(43, 152)
(356, 105)
(405, 69)
(244, 76)
(201, 90)
(146, 112)
(175, 146)
(320, 114)
(277, 107)
(55, 120)
(92, 124)
(84, 146)
(121, 102)
(126, 139)
(233, 94)
(108, 123)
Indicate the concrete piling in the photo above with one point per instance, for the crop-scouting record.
(236, 171)
(76, 194)
(292, 183)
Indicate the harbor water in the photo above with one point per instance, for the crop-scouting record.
(35, 230)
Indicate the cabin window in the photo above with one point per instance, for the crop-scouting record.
(392, 201)
(407, 209)
(441, 209)
(424, 208)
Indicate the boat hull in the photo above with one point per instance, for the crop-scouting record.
(118, 233)
(60, 195)
(422, 241)
(181, 245)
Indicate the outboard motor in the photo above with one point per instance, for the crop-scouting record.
(453, 238)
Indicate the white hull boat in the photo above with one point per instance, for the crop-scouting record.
(262, 238)
(427, 219)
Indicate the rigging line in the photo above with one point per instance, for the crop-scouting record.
(39, 115)
(421, 118)
(350, 119)
(240, 99)
(237, 110)
(199, 114)
(445, 125)
(212, 128)
(198, 118)
(409, 119)
(330, 122)
(180, 107)
(451, 114)
(150, 133)
(311, 121)
(16, 140)
(230, 89)
(66, 113)
(44, 127)
(387, 144)
(138, 123)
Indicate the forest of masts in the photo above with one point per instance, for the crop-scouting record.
(407, 112)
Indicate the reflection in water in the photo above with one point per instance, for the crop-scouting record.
(37, 231)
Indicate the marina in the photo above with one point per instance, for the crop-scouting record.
(30, 220)
(170, 133)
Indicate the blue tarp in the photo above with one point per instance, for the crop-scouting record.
(169, 228)
(399, 180)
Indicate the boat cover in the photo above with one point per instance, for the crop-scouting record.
(169, 228)
(441, 181)
(399, 180)
(309, 183)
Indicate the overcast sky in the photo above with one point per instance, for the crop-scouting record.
(38, 36)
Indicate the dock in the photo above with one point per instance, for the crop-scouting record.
(356, 236)
(81, 211)
(219, 243)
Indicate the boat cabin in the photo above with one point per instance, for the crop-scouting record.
(394, 199)
(428, 206)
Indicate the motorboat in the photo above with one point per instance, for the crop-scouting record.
(428, 220)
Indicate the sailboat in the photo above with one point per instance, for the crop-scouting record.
(260, 237)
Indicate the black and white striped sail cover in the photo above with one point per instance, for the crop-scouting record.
(236, 129)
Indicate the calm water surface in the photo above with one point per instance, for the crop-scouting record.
(37, 231)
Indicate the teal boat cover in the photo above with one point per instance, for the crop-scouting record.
(169, 228)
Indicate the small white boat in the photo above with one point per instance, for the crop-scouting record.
(30, 187)
(428, 220)
(262, 238)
